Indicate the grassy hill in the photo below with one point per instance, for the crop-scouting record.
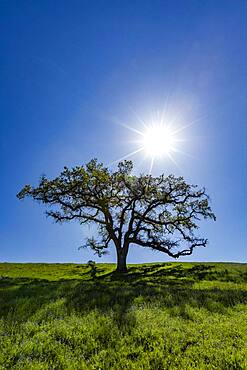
(158, 316)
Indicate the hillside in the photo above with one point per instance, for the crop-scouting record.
(158, 316)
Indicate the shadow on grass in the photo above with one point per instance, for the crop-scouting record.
(167, 286)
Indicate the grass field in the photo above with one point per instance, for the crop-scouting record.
(158, 316)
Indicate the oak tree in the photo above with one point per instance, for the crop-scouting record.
(160, 213)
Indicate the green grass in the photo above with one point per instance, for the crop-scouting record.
(158, 316)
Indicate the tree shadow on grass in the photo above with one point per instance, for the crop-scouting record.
(196, 273)
(20, 298)
(169, 286)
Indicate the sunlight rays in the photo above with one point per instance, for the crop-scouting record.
(157, 137)
(126, 156)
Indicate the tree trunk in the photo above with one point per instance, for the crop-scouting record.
(121, 260)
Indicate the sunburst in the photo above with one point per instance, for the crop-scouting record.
(157, 139)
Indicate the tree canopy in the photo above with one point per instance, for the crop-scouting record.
(160, 213)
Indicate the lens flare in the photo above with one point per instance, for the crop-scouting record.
(157, 138)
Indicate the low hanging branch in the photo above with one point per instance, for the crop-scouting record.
(160, 213)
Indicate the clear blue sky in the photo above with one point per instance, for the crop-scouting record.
(71, 71)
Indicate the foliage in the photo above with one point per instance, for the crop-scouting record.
(159, 316)
(161, 213)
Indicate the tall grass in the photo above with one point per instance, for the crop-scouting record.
(158, 316)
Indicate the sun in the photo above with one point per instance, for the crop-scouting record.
(158, 141)
(157, 138)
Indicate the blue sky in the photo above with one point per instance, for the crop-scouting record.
(72, 72)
